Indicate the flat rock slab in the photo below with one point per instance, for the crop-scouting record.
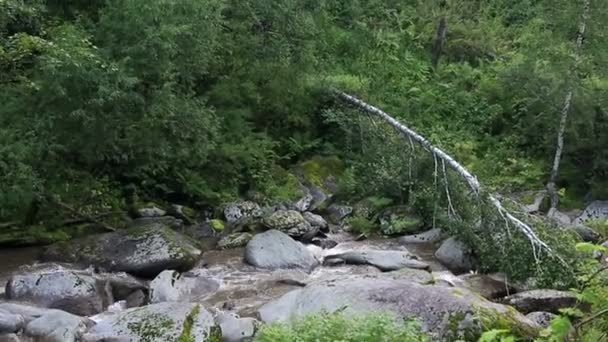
(432, 235)
(541, 300)
(383, 260)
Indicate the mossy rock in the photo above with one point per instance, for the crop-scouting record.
(399, 220)
(217, 225)
(322, 172)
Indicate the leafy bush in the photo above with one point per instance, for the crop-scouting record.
(338, 327)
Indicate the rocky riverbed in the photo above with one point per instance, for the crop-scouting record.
(157, 281)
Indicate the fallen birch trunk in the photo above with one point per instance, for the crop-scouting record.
(456, 166)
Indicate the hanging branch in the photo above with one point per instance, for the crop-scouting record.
(461, 170)
(551, 187)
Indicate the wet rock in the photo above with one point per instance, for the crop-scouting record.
(383, 260)
(203, 230)
(595, 210)
(136, 299)
(274, 249)
(316, 221)
(234, 240)
(337, 213)
(144, 251)
(432, 235)
(541, 318)
(156, 323)
(10, 323)
(53, 286)
(324, 243)
(292, 223)
(235, 329)
(490, 286)
(455, 255)
(238, 210)
(445, 312)
(541, 300)
(400, 220)
(122, 284)
(171, 286)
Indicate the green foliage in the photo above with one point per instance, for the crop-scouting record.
(362, 225)
(338, 327)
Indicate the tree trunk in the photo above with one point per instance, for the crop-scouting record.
(551, 186)
(449, 160)
(442, 30)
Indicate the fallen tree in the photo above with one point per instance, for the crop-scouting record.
(470, 179)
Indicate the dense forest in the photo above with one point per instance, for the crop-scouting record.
(109, 106)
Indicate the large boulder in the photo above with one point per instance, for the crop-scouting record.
(234, 240)
(447, 313)
(338, 212)
(542, 300)
(316, 221)
(48, 325)
(171, 286)
(400, 220)
(383, 260)
(292, 223)
(53, 286)
(429, 236)
(157, 323)
(233, 212)
(274, 250)
(594, 211)
(10, 322)
(455, 255)
(145, 250)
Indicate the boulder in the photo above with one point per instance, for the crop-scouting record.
(303, 203)
(595, 210)
(10, 323)
(276, 250)
(455, 255)
(400, 220)
(234, 212)
(316, 221)
(53, 286)
(292, 223)
(541, 300)
(145, 251)
(235, 329)
(490, 286)
(586, 233)
(337, 213)
(429, 236)
(541, 318)
(171, 286)
(446, 313)
(383, 260)
(151, 212)
(157, 323)
(234, 240)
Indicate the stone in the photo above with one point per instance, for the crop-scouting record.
(53, 286)
(586, 233)
(559, 217)
(234, 240)
(145, 251)
(292, 223)
(541, 318)
(541, 300)
(233, 212)
(455, 255)
(595, 210)
(383, 260)
(429, 236)
(490, 286)
(171, 286)
(10, 323)
(151, 212)
(400, 220)
(337, 213)
(136, 299)
(168, 221)
(276, 250)
(157, 323)
(324, 243)
(447, 313)
(11, 338)
(235, 329)
(316, 221)
(303, 203)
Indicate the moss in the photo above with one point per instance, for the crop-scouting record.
(217, 225)
(491, 319)
(33, 235)
(152, 328)
(186, 335)
(318, 169)
(215, 334)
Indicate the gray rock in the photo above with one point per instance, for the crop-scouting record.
(445, 312)
(57, 327)
(234, 240)
(383, 260)
(319, 197)
(136, 299)
(490, 286)
(400, 220)
(303, 203)
(541, 300)
(292, 223)
(559, 217)
(541, 318)
(155, 323)
(274, 250)
(337, 213)
(235, 329)
(168, 221)
(324, 243)
(144, 251)
(238, 210)
(432, 235)
(151, 212)
(595, 210)
(586, 233)
(455, 255)
(316, 221)
(10, 323)
(53, 286)
(171, 286)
